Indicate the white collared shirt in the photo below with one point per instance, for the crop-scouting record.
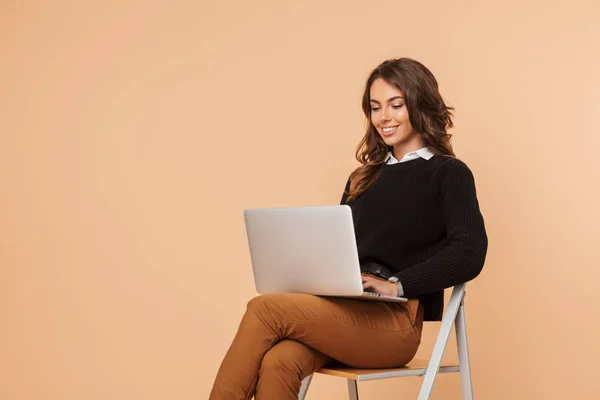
(421, 153)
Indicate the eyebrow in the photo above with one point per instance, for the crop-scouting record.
(390, 99)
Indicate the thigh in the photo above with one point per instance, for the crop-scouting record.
(359, 333)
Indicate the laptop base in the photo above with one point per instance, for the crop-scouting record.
(375, 297)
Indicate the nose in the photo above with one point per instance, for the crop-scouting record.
(385, 114)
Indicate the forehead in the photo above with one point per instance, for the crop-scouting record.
(381, 90)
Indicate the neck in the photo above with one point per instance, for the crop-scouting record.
(403, 148)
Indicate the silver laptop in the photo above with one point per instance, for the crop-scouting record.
(306, 250)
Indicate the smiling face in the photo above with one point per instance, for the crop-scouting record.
(389, 116)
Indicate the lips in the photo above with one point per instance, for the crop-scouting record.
(389, 130)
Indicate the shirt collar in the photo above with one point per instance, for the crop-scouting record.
(421, 153)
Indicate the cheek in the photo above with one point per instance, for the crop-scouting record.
(374, 121)
(402, 116)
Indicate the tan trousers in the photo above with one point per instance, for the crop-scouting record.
(283, 338)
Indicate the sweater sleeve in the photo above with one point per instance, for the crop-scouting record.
(463, 256)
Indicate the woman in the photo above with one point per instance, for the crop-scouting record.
(418, 228)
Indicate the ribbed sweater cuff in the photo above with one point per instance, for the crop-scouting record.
(406, 283)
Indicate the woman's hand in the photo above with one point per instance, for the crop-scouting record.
(378, 285)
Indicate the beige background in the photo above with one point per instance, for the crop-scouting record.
(134, 133)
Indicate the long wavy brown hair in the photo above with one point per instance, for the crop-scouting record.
(429, 116)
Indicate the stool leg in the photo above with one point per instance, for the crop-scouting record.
(352, 389)
(456, 299)
(463, 354)
(304, 387)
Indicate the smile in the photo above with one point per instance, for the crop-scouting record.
(389, 130)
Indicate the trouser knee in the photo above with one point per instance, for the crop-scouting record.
(287, 357)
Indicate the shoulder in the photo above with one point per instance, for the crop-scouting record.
(451, 165)
(453, 172)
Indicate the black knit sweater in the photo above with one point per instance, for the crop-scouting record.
(421, 219)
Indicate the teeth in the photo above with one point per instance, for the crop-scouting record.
(389, 129)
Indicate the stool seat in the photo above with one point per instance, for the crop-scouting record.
(417, 367)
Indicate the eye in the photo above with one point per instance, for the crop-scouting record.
(398, 106)
(374, 109)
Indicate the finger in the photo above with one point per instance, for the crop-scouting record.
(373, 278)
(368, 281)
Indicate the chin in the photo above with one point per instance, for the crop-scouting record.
(391, 141)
